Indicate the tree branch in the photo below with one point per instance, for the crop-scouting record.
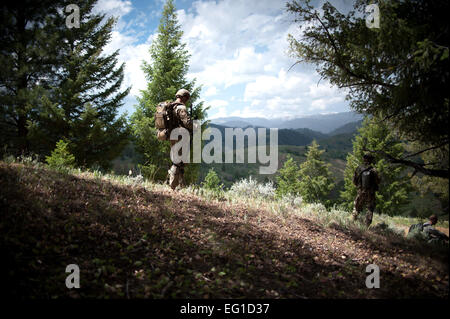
(427, 149)
(418, 167)
(342, 65)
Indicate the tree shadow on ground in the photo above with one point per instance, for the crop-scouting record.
(134, 243)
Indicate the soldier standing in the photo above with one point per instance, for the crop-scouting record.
(182, 119)
(366, 180)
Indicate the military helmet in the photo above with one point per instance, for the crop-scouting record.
(183, 93)
(368, 158)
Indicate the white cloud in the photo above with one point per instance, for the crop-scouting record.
(113, 7)
(221, 112)
(132, 54)
(243, 66)
(134, 76)
(245, 42)
(223, 38)
(323, 103)
(210, 91)
(290, 94)
(217, 103)
(124, 39)
(231, 42)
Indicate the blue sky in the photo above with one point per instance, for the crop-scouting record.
(239, 54)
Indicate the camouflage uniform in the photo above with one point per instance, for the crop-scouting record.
(365, 196)
(176, 171)
(433, 235)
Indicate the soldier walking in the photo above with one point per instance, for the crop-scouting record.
(367, 180)
(181, 119)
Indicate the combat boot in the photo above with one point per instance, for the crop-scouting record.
(173, 177)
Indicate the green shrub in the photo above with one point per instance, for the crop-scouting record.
(212, 181)
(61, 158)
(149, 171)
(250, 188)
(288, 179)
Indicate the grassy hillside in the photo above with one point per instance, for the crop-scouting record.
(134, 239)
(230, 173)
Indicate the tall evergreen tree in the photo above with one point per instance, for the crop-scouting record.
(166, 74)
(395, 185)
(316, 181)
(84, 103)
(28, 52)
(58, 83)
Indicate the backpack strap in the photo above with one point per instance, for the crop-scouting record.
(170, 109)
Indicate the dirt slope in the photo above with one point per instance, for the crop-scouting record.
(130, 242)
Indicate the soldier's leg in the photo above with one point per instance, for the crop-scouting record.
(357, 206)
(173, 176)
(369, 216)
(181, 175)
(370, 208)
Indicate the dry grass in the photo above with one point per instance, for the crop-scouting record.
(137, 239)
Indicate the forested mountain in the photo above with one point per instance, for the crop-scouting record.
(324, 123)
(347, 128)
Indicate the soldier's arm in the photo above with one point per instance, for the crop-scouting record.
(437, 233)
(184, 118)
(355, 177)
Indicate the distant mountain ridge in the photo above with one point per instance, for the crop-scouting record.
(347, 128)
(323, 123)
(304, 136)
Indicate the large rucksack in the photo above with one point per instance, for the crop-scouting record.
(164, 120)
(367, 179)
(418, 227)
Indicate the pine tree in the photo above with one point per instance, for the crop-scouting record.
(316, 181)
(61, 157)
(288, 179)
(84, 103)
(58, 82)
(166, 74)
(29, 47)
(212, 181)
(395, 185)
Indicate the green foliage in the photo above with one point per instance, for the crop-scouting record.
(89, 91)
(224, 242)
(212, 181)
(288, 179)
(427, 185)
(61, 157)
(395, 186)
(316, 181)
(166, 74)
(63, 83)
(148, 171)
(398, 71)
(29, 41)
